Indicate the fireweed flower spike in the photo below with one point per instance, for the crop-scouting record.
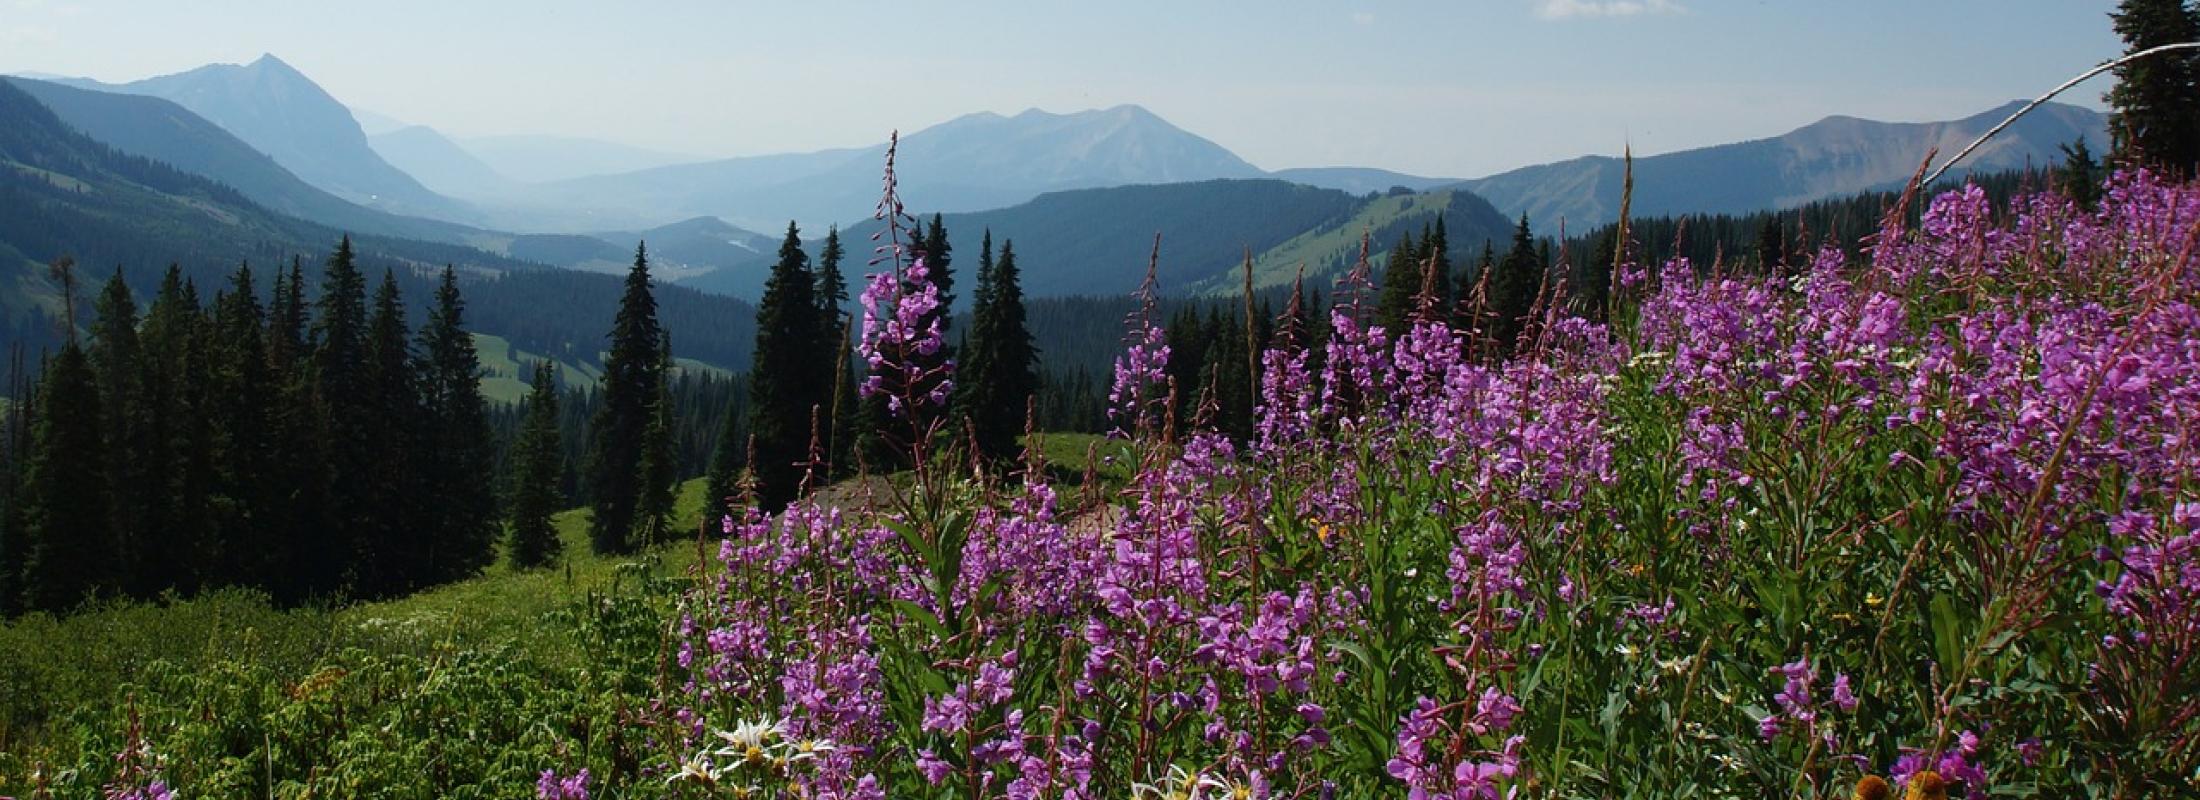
(899, 325)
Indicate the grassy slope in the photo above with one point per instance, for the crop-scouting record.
(507, 604)
(505, 370)
(1318, 249)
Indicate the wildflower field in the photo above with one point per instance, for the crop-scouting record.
(1927, 520)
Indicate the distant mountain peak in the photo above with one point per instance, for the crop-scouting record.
(281, 112)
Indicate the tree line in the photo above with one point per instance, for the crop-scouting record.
(310, 447)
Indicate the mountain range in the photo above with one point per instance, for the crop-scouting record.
(970, 163)
(64, 194)
(1082, 193)
(158, 129)
(282, 113)
(1833, 157)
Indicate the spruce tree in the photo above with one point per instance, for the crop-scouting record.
(251, 460)
(838, 340)
(1188, 344)
(971, 375)
(660, 467)
(15, 422)
(174, 542)
(286, 320)
(1401, 285)
(309, 560)
(787, 380)
(539, 463)
(341, 428)
(69, 551)
(632, 372)
(395, 538)
(728, 457)
(460, 453)
(1771, 245)
(1512, 290)
(997, 376)
(2080, 175)
(119, 366)
(939, 272)
(2155, 117)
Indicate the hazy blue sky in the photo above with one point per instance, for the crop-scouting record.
(1443, 88)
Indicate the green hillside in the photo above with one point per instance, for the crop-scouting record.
(1325, 252)
(506, 370)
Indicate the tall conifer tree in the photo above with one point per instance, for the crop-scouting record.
(174, 541)
(69, 543)
(119, 366)
(789, 377)
(838, 332)
(394, 540)
(1401, 283)
(2155, 103)
(251, 460)
(539, 460)
(461, 455)
(1513, 288)
(998, 375)
(340, 424)
(660, 465)
(631, 377)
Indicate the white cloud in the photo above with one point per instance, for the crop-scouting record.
(1572, 9)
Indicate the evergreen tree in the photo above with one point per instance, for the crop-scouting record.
(117, 363)
(998, 373)
(788, 378)
(2156, 100)
(728, 457)
(286, 320)
(1188, 341)
(540, 463)
(395, 536)
(1401, 284)
(174, 542)
(838, 339)
(15, 446)
(1771, 245)
(310, 557)
(660, 467)
(251, 461)
(938, 261)
(340, 426)
(69, 543)
(631, 377)
(460, 454)
(1512, 290)
(2080, 174)
(1227, 386)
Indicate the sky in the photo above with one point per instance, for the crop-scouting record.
(1462, 89)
